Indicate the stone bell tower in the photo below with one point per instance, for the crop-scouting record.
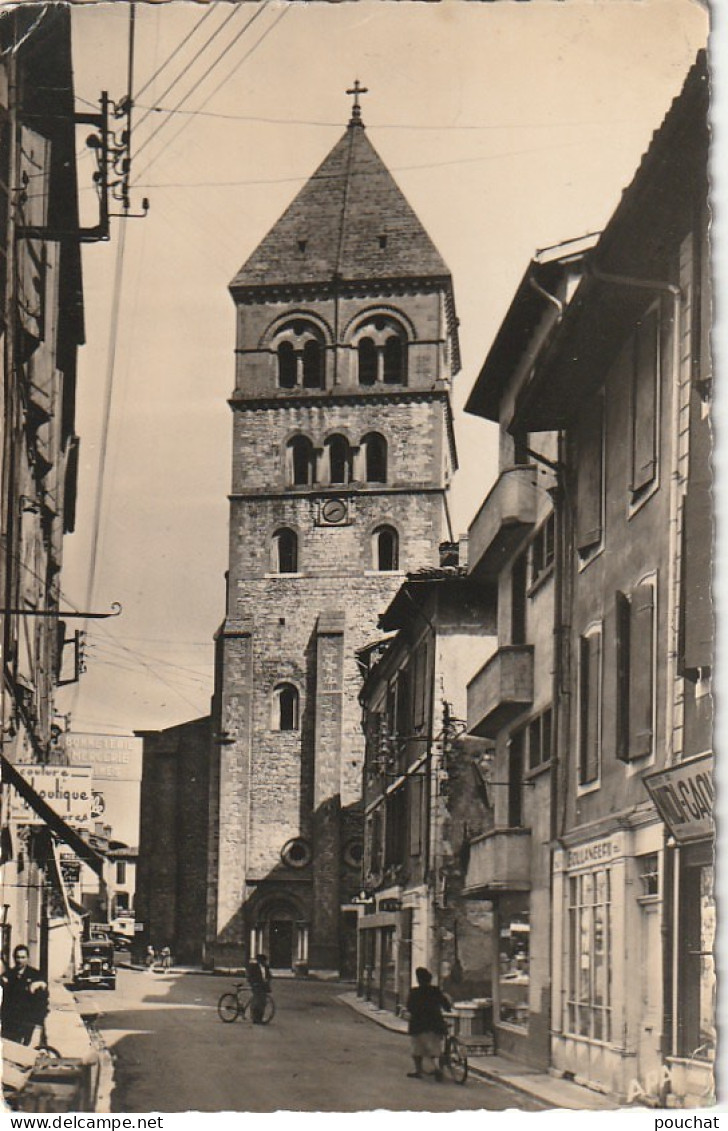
(343, 450)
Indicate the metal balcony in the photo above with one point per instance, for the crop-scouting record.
(501, 690)
(499, 860)
(507, 515)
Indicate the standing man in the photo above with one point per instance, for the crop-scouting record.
(427, 1026)
(25, 999)
(259, 979)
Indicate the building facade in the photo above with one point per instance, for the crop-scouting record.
(171, 868)
(423, 792)
(513, 543)
(42, 328)
(342, 455)
(623, 379)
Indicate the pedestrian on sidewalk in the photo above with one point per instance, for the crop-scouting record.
(25, 998)
(151, 957)
(259, 980)
(166, 955)
(427, 1025)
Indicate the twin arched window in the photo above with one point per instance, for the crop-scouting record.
(286, 707)
(301, 356)
(285, 551)
(381, 347)
(341, 463)
(385, 547)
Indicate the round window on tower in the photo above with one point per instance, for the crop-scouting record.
(296, 853)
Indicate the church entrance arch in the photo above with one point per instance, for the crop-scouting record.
(281, 931)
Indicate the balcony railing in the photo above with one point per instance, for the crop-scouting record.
(501, 690)
(500, 860)
(507, 515)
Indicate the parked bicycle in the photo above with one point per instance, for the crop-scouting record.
(234, 1004)
(455, 1057)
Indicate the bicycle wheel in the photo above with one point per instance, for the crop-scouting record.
(456, 1060)
(227, 1008)
(269, 1011)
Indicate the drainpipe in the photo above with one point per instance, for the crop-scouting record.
(672, 564)
(548, 296)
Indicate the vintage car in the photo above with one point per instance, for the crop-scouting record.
(97, 964)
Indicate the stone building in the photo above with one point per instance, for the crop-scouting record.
(343, 450)
(624, 377)
(513, 542)
(424, 791)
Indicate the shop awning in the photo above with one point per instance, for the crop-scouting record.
(52, 819)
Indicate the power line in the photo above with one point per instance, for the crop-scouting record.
(256, 15)
(183, 73)
(176, 51)
(392, 125)
(337, 176)
(222, 83)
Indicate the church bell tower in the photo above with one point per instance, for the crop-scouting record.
(343, 450)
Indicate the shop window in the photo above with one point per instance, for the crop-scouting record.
(696, 936)
(285, 707)
(542, 551)
(300, 462)
(539, 741)
(590, 706)
(590, 479)
(636, 675)
(644, 402)
(589, 957)
(514, 959)
(375, 458)
(285, 552)
(386, 549)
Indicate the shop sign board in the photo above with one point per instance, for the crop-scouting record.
(594, 854)
(684, 797)
(113, 757)
(66, 789)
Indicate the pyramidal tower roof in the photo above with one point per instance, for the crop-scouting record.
(349, 221)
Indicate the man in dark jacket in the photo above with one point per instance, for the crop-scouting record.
(259, 979)
(25, 999)
(427, 1025)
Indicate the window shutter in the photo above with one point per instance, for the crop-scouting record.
(642, 676)
(590, 475)
(644, 401)
(697, 575)
(415, 816)
(623, 614)
(589, 714)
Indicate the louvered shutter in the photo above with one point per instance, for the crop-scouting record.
(642, 676)
(589, 713)
(622, 618)
(589, 481)
(644, 401)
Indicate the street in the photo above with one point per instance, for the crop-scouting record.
(172, 1053)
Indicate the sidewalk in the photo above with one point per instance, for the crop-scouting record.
(551, 1091)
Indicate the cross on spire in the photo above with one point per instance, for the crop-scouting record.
(356, 90)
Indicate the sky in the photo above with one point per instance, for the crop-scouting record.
(509, 127)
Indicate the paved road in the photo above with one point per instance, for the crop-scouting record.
(172, 1053)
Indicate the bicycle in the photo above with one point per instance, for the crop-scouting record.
(236, 1004)
(455, 1058)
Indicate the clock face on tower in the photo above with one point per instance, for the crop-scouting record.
(333, 512)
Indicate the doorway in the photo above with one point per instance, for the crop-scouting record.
(280, 941)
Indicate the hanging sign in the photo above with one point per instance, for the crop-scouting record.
(684, 797)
